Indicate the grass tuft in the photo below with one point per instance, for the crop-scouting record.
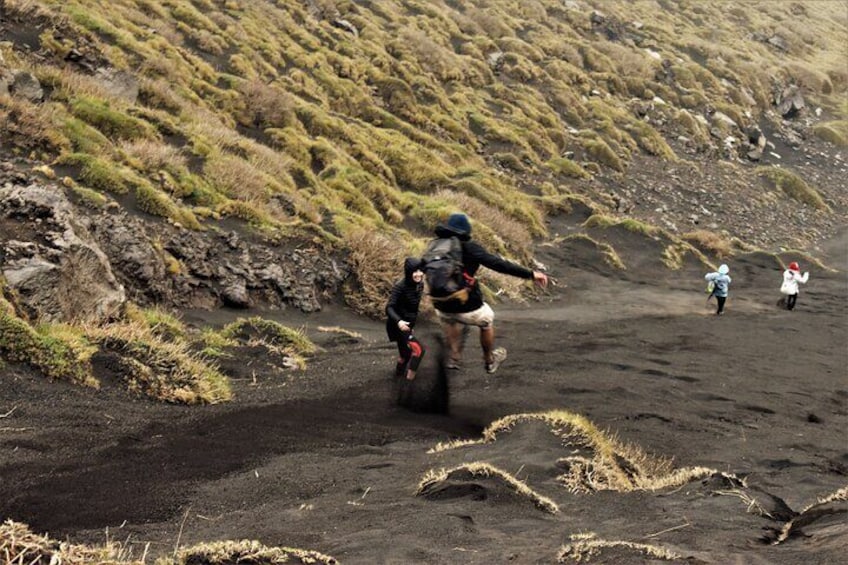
(246, 551)
(602, 462)
(18, 544)
(793, 186)
(57, 351)
(586, 547)
(479, 469)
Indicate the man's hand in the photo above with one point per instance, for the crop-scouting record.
(403, 326)
(540, 278)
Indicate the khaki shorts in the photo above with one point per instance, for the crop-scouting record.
(482, 317)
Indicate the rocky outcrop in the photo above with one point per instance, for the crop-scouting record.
(162, 263)
(789, 101)
(50, 260)
(72, 263)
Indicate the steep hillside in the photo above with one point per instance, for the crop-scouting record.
(226, 152)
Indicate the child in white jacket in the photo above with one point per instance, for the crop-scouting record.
(791, 277)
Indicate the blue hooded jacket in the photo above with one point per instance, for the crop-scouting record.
(722, 282)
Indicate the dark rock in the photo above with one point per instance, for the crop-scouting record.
(234, 294)
(346, 26)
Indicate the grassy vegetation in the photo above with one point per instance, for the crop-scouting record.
(710, 242)
(165, 369)
(18, 544)
(629, 224)
(479, 469)
(598, 461)
(835, 132)
(586, 547)
(372, 138)
(791, 527)
(58, 351)
(271, 98)
(793, 186)
(270, 333)
(246, 551)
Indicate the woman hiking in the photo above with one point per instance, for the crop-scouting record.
(401, 314)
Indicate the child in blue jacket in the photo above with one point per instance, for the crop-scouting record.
(721, 282)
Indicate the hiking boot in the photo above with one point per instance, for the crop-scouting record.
(400, 368)
(498, 357)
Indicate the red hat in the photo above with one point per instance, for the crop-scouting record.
(793, 266)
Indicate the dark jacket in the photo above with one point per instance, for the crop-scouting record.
(473, 256)
(404, 300)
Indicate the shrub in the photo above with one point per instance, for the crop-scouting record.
(269, 332)
(567, 167)
(377, 261)
(163, 369)
(98, 173)
(110, 122)
(833, 132)
(793, 186)
(599, 151)
(54, 350)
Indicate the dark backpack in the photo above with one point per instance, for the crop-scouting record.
(443, 269)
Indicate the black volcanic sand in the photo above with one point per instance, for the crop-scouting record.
(326, 460)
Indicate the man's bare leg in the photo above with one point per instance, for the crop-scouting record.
(487, 342)
(453, 334)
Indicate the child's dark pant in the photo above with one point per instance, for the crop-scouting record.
(790, 301)
(720, 300)
(410, 352)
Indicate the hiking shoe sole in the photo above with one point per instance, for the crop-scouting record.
(498, 357)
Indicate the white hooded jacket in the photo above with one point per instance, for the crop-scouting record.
(790, 281)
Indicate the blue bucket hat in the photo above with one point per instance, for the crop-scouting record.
(723, 270)
(459, 223)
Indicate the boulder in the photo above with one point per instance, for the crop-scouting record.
(50, 260)
(25, 85)
(119, 84)
(790, 101)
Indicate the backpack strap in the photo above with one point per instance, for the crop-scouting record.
(460, 295)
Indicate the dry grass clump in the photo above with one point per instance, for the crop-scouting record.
(166, 370)
(249, 552)
(793, 186)
(278, 339)
(710, 242)
(377, 262)
(608, 252)
(601, 461)
(152, 354)
(835, 132)
(566, 167)
(20, 546)
(27, 126)
(161, 322)
(56, 350)
(584, 548)
(813, 511)
(154, 155)
(479, 469)
(674, 255)
(603, 221)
